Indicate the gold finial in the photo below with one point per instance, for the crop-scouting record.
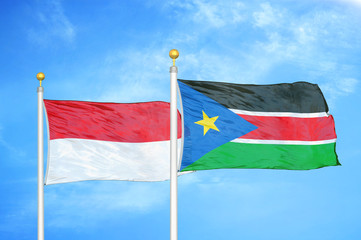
(173, 54)
(40, 76)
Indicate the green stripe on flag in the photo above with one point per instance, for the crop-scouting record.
(267, 156)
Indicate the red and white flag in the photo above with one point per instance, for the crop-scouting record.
(108, 141)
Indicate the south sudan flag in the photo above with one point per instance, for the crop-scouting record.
(279, 126)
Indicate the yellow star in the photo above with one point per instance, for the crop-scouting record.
(207, 123)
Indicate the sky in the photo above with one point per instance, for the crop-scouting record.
(117, 51)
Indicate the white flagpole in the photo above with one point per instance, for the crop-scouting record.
(40, 76)
(173, 148)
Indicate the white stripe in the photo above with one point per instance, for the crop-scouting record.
(283, 142)
(72, 160)
(281, 114)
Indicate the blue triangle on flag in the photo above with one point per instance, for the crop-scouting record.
(196, 142)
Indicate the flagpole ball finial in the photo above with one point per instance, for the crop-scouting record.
(40, 76)
(174, 55)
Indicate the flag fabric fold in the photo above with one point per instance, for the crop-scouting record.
(279, 126)
(107, 141)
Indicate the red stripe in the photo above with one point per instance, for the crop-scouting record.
(117, 122)
(291, 128)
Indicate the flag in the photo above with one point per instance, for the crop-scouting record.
(279, 126)
(108, 141)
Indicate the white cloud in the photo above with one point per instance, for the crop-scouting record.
(348, 85)
(135, 76)
(245, 196)
(304, 34)
(307, 41)
(353, 2)
(215, 14)
(85, 204)
(311, 41)
(13, 150)
(52, 24)
(88, 203)
(268, 16)
(338, 87)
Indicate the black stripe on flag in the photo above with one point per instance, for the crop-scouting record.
(298, 97)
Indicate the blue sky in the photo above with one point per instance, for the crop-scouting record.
(118, 51)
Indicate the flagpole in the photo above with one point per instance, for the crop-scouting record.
(173, 148)
(40, 76)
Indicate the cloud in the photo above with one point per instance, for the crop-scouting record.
(353, 2)
(18, 214)
(316, 43)
(17, 223)
(135, 76)
(15, 152)
(338, 87)
(309, 41)
(84, 204)
(246, 196)
(52, 23)
(88, 203)
(214, 14)
(268, 16)
(348, 85)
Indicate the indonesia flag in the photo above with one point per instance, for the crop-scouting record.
(108, 141)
